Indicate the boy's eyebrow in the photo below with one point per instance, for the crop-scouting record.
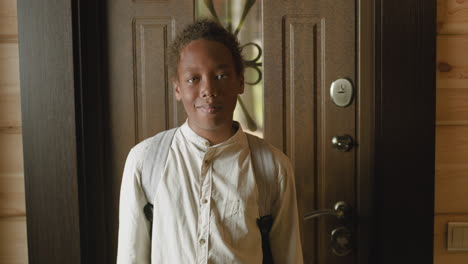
(191, 68)
(220, 66)
(223, 66)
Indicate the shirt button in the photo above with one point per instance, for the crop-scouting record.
(202, 241)
(204, 201)
(207, 144)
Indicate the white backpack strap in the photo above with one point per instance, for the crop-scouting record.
(154, 162)
(265, 172)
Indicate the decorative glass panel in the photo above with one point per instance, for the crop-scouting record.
(244, 19)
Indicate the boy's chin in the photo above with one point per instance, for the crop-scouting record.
(211, 124)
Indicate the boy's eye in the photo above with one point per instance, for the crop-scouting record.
(192, 80)
(221, 76)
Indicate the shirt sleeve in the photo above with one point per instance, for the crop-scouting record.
(134, 243)
(285, 237)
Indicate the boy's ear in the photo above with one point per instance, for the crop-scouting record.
(242, 84)
(176, 85)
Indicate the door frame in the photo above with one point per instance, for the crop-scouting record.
(403, 181)
(62, 130)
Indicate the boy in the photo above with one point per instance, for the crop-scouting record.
(206, 205)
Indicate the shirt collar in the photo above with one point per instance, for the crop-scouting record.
(238, 138)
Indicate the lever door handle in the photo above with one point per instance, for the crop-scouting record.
(341, 237)
(341, 211)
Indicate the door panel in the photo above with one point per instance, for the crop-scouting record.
(318, 47)
(302, 40)
(316, 41)
(153, 106)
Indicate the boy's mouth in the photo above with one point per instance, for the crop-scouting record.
(209, 108)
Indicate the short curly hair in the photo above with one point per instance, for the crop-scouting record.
(208, 30)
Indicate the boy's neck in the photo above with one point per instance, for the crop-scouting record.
(215, 136)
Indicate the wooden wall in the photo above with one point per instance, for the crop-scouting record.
(451, 183)
(13, 241)
(451, 202)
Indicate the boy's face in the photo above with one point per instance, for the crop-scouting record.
(208, 85)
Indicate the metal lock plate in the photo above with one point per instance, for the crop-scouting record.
(341, 92)
(341, 241)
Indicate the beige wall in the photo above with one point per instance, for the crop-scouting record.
(13, 246)
(451, 198)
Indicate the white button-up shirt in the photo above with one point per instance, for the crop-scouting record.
(205, 206)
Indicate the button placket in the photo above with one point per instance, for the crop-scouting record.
(206, 163)
(204, 215)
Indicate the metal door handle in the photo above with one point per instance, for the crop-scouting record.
(343, 143)
(341, 237)
(341, 211)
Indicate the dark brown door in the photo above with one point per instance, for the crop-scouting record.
(316, 40)
(307, 45)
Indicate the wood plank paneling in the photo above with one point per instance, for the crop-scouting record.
(8, 21)
(452, 106)
(441, 254)
(12, 195)
(13, 245)
(452, 17)
(9, 64)
(441, 13)
(8, 8)
(451, 176)
(452, 62)
(11, 153)
(10, 113)
(13, 238)
(451, 169)
(10, 106)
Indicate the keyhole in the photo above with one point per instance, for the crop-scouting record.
(342, 241)
(342, 89)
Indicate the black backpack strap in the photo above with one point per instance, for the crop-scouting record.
(265, 223)
(265, 176)
(148, 210)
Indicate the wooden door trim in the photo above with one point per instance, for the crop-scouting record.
(48, 87)
(404, 131)
(61, 86)
(90, 86)
(365, 129)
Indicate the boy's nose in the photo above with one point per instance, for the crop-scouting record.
(209, 89)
